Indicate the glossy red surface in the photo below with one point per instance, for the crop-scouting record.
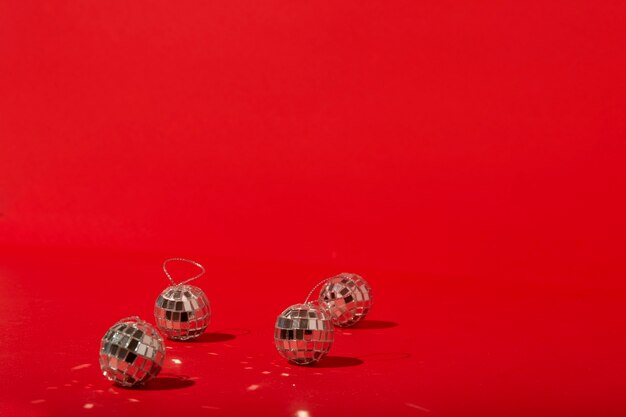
(466, 158)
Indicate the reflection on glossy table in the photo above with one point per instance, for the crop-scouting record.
(429, 347)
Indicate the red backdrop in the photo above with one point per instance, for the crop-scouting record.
(474, 145)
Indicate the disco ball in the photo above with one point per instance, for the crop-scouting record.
(131, 352)
(182, 312)
(348, 298)
(303, 334)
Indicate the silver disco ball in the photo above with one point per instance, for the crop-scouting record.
(303, 334)
(182, 312)
(131, 352)
(348, 298)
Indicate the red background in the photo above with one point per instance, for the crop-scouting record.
(467, 158)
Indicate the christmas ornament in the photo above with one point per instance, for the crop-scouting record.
(348, 297)
(182, 311)
(131, 352)
(304, 333)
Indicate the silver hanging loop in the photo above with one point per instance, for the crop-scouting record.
(182, 260)
(314, 288)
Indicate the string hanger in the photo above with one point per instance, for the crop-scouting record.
(314, 288)
(182, 260)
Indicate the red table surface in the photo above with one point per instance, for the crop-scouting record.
(467, 158)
